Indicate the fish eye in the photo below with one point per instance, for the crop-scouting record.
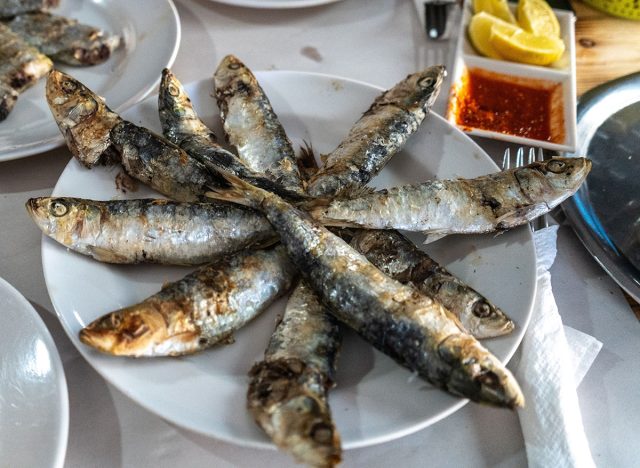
(234, 66)
(481, 309)
(556, 166)
(425, 82)
(173, 90)
(83, 109)
(69, 86)
(58, 209)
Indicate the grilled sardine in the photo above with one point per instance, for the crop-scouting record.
(203, 309)
(413, 329)
(288, 390)
(150, 231)
(21, 66)
(64, 39)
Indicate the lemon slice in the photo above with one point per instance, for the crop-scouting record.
(497, 8)
(480, 31)
(521, 46)
(537, 17)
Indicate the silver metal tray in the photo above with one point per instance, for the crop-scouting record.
(605, 212)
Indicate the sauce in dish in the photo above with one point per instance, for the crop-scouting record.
(524, 107)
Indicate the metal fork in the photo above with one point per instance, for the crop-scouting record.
(540, 222)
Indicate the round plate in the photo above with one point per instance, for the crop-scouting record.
(605, 211)
(375, 399)
(34, 403)
(280, 4)
(151, 33)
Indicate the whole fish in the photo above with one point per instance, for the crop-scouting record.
(64, 39)
(10, 8)
(489, 203)
(97, 135)
(149, 231)
(398, 257)
(413, 329)
(252, 126)
(288, 390)
(203, 309)
(21, 66)
(380, 133)
(182, 126)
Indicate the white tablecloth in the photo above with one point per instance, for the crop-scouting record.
(377, 41)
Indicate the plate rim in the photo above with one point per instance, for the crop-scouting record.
(267, 444)
(56, 365)
(37, 147)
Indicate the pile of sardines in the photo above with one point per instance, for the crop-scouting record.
(256, 220)
(31, 37)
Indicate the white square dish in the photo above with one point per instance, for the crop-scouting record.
(560, 75)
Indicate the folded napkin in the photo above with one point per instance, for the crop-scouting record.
(553, 362)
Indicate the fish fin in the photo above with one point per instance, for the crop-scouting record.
(349, 192)
(105, 255)
(306, 161)
(521, 215)
(432, 236)
(239, 191)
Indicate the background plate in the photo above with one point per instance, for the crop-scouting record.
(34, 404)
(280, 4)
(151, 32)
(375, 400)
(605, 212)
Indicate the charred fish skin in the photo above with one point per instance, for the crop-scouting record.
(252, 126)
(65, 39)
(160, 164)
(182, 126)
(399, 258)
(21, 66)
(287, 393)
(411, 328)
(494, 202)
(149, 231)
(9, 8)
(203, 309)
(96, 135)
(379, 134)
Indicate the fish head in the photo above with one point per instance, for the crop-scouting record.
(230, 73)
(484, 320)
(142, 330)
(554, 180)
(418, 91)
(82, 116)
(177, 115)
(58, 218)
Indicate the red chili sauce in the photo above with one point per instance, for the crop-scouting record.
(517, 106)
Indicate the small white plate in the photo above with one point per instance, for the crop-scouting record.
(276, 4)
(562, 72)
(151, 33)
(34, 404)
(375, 400)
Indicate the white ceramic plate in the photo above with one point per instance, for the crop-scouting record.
(151, 32)
(280, 4)
(375, 399)
(562, 73)
(34, 404)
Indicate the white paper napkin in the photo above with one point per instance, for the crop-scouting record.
(553, 362)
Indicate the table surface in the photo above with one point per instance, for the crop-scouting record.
(377, 41)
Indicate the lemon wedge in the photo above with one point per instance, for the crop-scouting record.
(537, 17)
(480, 32)
(521, 46)
(497, 8)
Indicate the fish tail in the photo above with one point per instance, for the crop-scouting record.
(239, 191)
